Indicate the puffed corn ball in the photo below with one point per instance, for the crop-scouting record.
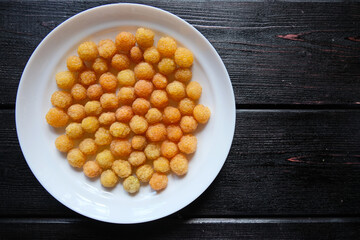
(63, 143)
(156, 133)
(144, 70)
(109, 101)
(107, 48)
(107, 118)
(109, 179)
(186, 106)
(174, 133)
(183, 57)
(120, 62)
(93, 108)
(120, 148)
(159, 81)
(153, 116)
(159, 99)
(56, 117)
(143, 88)
(100, 66)
(152, 151)
(87, 77)
(78, 92)
(88, 146)
(74, 130)
(90, 124)
(188, 124)
(179, 164)
(161, 165)
(168, 149)
(74, 64)
(141, 106)
(76, 112)
(183, 75)
(119, 130)
(158, 181)
(122, 168)
(201, 113)
(144, 173)
(105, 159)
(137, 158)
(61, 99)
(176, 90)
(136, 55)
(88, 51)
(126, 77)
(171, 115)
(152, 55)
(94, 92)
(76, 158)
(188, 144)
(108, 82)
(193, 90)
(124, 114)
(166, 46)
(92, 169)
(131, 184)
(103, 137)
(138, 142)
(166, 66)
(65, 80)
(124, 41)
(144, 37)
(126, 95)
(138, 124)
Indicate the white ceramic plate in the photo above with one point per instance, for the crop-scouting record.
(70, 186)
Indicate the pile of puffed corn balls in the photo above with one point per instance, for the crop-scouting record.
(130, 104)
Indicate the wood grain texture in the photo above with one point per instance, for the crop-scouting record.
(275, 53)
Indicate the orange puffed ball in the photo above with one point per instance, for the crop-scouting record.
(169, 149)
(92, 169)
(120, 62)
(126, 95)
(161, 165)
(144, 37)
(188, 124)
(166, 66)
(93, 108)
(140, 106)
(174, 133)
(56, 117)
(153, 116)
(159, 99)
(76, 158)
(124, 41)
(61, 99)
(152, 55)
(87, 77)
(179, 164)
(183, 57)
(124, 114)
(159, 81)
(74, 64)
(143, 88)
(188, 144)
(78, 92)
(171, 115)
(76, 112)
(109, 101)
(88, 51)
(136, 54)
(107, 118)
(176, 90)
(105, 159)
(108, 82)
(144, 70)
(193, 90)
(166, 46)
(94, 92)
(201, 113)
(90, 124)
(138, 142)
(186, 106)
(63, 143)
(137, 158)
(65, 80)
(120, 148)
(109, 179)
(158, 181)
(138, 124)
(100, 65)
(74, 130)
(131, 184)
(126, 77)
(88, 146)
(122, 168)
(103, 137)
(152, 151)
(144, 173)
(156, 133)
(119, 130)
(183, 75)
(107, 48)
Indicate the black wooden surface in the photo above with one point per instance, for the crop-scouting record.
(294, 167)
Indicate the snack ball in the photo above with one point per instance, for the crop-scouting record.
(65, 80)
(136, 55)
(93, 108)
(74, 64)
(94, 92)
(186, 106)
(169, 149)
(166, 66)
(131, 184)
(126, 77)
(174, 133)
(56, 117)
(120, 148)
(63, 143)
(76, 112)
(108, 82)
(105, 159)
(161, 165)
(124, 41)
(144, 70)
(153, 116)
(61, 99)
(166, 46)
(122, 168)
(176, 90)
(201, 113)
(188, 144)
(126, 95)
(107, 48)
(188, 124)
(120, 62)
(159, 99)
(138, 124)
(144, 173)
(90, 124)
(92, 169)
(87, 77)
(109, 101)
(103, 137)
(137, 158)
(152, 151)
(141, 106)
(183, 57)
(193, 90)
(74, 130)
(183, 75)
(78, 92)
(107, 118)
(124, 114)
(88, 51)
(171, 115)
(152, 55)
(100, 65)
(159, 81)
(179, 164)
(138, 142)
(88, 146)
(156, 133)
(143, 88)
(120, 130)
(76, 158)
(109, 179)
(158, 181)
(144, 37)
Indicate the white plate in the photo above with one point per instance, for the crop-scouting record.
(71, 187)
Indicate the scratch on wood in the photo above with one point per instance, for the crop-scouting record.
(302, 159)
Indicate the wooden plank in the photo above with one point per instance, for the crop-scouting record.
(275, 53)
(282, 163)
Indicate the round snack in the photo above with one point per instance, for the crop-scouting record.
(171, 115)
(159, 99)
(105, 159)
(93, 108)
(144, 173)
(108, 82)
(103, 137)
(63, 143)
(153, 116)
(94, 92)
(137, 158)
(138, 142)
(120, 130)
(183, 57)
(166, 66)
(159, 81)
(124, 114)
(179, 164)
(158, 181)
(74, 130)
(100, 66)
(144, 71)
(122, 168)
(183, 75)
(78, 92)
(126, 77)
(144, 37)
(201, 113)
(88, 51)
(174, 133)
(176, 90)
(76, 158)
(188, 124)
(109, 179)
(166, 46)
(193, 90)
(120, 62)
(65, 79)
(61, 99)
(156, 133)
(88, 146)
(76, 112)
(136, 54)
(90, 124)
(152, 55)
(186, 106)
(92, 169)
(87, 77)
(152, 151)
(140, 106)
(109, 101)
(161, 165)
(138, 124)
(74, 64)
(120, 148)
(124, 41)
(169, 149)
(188, 144)
(107, 48)
(143, 88)
(131, 184)
(126, 95)
(56, 117)
(107, 118)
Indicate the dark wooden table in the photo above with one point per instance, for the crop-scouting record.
(293, 171)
